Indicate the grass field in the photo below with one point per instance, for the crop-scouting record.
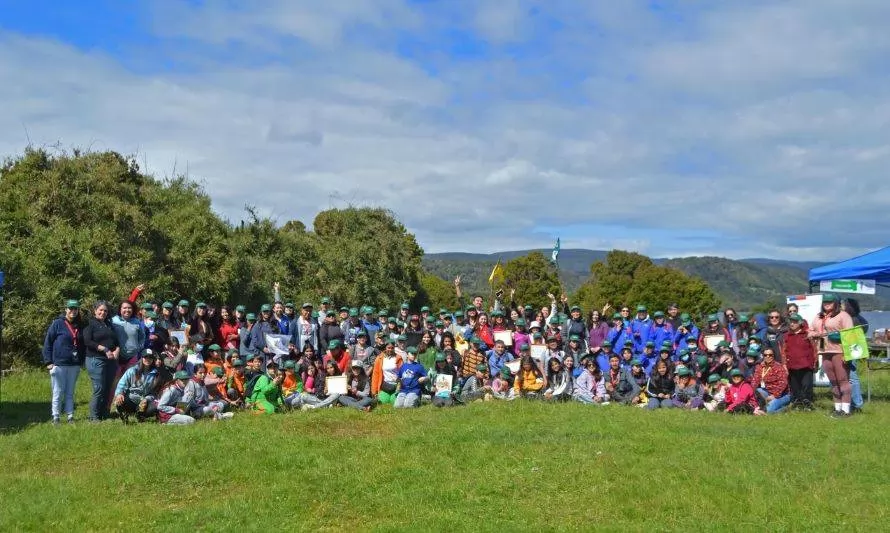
(517, 466)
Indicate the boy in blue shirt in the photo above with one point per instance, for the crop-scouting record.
(411, 377)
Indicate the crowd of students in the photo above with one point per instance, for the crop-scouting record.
(140, 369)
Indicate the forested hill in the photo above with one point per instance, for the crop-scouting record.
(743, 284)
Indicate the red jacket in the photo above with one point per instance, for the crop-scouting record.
(223, 333)
(342, 363)
(740, 394)
(798, 350)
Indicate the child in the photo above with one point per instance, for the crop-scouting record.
(715, 394)
(197, 400)
(235, 383)
(688, 394)
(501, 387)
(292, 385)
(529, 382)
(266, 395)
(411, 376)
(590, 387)
(170, 407)
(740, 397)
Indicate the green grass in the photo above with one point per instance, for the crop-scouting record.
(521, 466)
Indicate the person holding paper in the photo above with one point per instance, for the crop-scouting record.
(411, 377)
(443, 397)
(826, 333)
(358, 395)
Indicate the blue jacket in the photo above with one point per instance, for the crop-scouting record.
(258, 336)
(617, 338)
(760, 328)
(640, 330)
(680, 338)
(495, 363)
(60, 347)
(659, 334)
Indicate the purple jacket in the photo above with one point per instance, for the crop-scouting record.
(598, 334)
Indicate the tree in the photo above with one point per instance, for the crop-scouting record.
(435, 292)
(627, 278)
(532, 277)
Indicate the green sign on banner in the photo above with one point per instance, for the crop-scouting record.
(859, 286)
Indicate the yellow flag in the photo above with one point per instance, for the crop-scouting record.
(497, 273)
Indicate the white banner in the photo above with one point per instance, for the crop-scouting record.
(855, 286)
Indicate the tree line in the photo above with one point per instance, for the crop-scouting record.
(92, 225)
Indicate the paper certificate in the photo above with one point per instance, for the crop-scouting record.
(513, 366)
(278, 343)
(336, 384)
(711, 342)
(538, 351)
(506, 336)
(443, 382)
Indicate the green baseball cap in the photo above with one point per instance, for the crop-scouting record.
(743, 317)
(735, 372)
(250, 316)
(200, 304)
(353, 312)
(289, 304)
(524, 347)
(574, 338)
(167, 305)
(214, 347)
(616, 316)
(713, 318)
(795, 318)
(265, 308)
(829, 297)
(713, 378)
(411, 349)
(326, 300)
(458, 313)
(151, 314)
(218, 371)
(181, 374)
(607, 344)
(289, 365)
(147, 306)
(403, 337)
(635, 362)
(72, 304)
(425, 309)
(482, 367)
(307, 305)
(650, 344)
(240, 309)
(575, 308)
(683, 371)
(440, 357)
(641, 309)
(520, 322)
(183, 303)
(658, 314)
(236, 363)
(443, 311)
(406, 306)
(336, 343)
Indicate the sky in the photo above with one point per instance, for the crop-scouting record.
(672, 128)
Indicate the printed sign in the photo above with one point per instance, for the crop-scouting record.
(808, 305)
(711, 342)
(443, 382)
(506, 336)
(538, 351)
(336, 384)
(278, 343)
(856, 286)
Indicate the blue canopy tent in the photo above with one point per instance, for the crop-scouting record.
(873, 265)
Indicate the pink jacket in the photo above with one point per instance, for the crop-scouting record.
(830, 324)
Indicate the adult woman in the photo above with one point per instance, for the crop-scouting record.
(62, 354)
(444, 397)
(598, 331)
(384, 378)
(362, 351)
(826, 332)
(483, 331)
(130, 336)
(135, 392)
(449, 349)
(660, 387)
(102, 349)
(771, 382)
(426, 351)
(358, 395)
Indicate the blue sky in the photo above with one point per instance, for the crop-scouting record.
(666, 127)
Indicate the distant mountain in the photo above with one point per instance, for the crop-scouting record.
(743, 284)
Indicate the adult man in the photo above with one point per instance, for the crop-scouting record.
(673, 316)
(575, 326)
(304, 329)
(640, 328)
(324, 307)
(351, 327)
(660, 330)
(498, 357)
(370, 323)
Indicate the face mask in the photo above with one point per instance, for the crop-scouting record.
(199, 347)
(149, 322)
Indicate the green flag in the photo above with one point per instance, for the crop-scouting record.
(855, 343)
(555, 254)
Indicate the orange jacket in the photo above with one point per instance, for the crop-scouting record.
(377, 375)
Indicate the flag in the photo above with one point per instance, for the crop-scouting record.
(855, 343)
(497, 273)
(555, 253)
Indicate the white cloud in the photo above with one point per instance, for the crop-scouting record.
(755, 124)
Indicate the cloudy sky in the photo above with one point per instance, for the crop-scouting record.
(672, 128)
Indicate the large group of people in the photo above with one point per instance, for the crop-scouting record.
(179, 362)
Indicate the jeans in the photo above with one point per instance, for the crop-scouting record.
(855, 386)
(407, 399)
(312, 401)
(348, 401)
(102, 372)
(655, 403)
(63, 380)
(776, 404)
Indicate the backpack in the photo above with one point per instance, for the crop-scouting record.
(251, 383)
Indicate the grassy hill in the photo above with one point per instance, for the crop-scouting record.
(743, 284)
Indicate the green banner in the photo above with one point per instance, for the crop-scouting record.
(855, 343)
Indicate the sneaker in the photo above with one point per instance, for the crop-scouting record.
(70, 419)
(839, 414)
(143, 405)
(56, 421)
(224, 416)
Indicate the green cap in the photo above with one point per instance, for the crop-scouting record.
(829, 297)
(683, 371)
(575, 308)
(200, 304)
(383, 312)
(405, 306)
(250, 316)
(574, 338)
(497, 313)
(388, 340)
(429, 319)
(425, 309)
(505, 372)
(326, 300)
(353, 312)
(72, 304)
(232, 353)
(524, 347)
(443, 311)
(616, 316)
(520, 322)
(743, 317)
(795, 318)
(723, 344)
(713, 378)
(336, 343)
(289, 304)
(147, 306)
(344, 309)
(476, 340)
(628, 342)
(330, 313)
(307, 305)
(167, 305)
(743, 342)
(289, 365)
(607, 344)
(183, 303)
(528, 308)
(641, 309)
(753, 352)
(181, 374)
(403, 337)
(213, 347)
(691, 340)
(713, 318)
(685, 317)
(636, 362)
(439, 324)
(665, 349)
(440, 357)
(658, 314)
(458, 313)
(218, 371)
(650, 344)
(735, 372)
(392, 320)
(151, 314)
(265, 308)
(361, 333)
(236, 363)
(482, 367)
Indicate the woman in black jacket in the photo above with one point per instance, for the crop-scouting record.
(101, 344)
(660, 387)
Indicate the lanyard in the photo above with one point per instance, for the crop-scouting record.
(73, 332)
